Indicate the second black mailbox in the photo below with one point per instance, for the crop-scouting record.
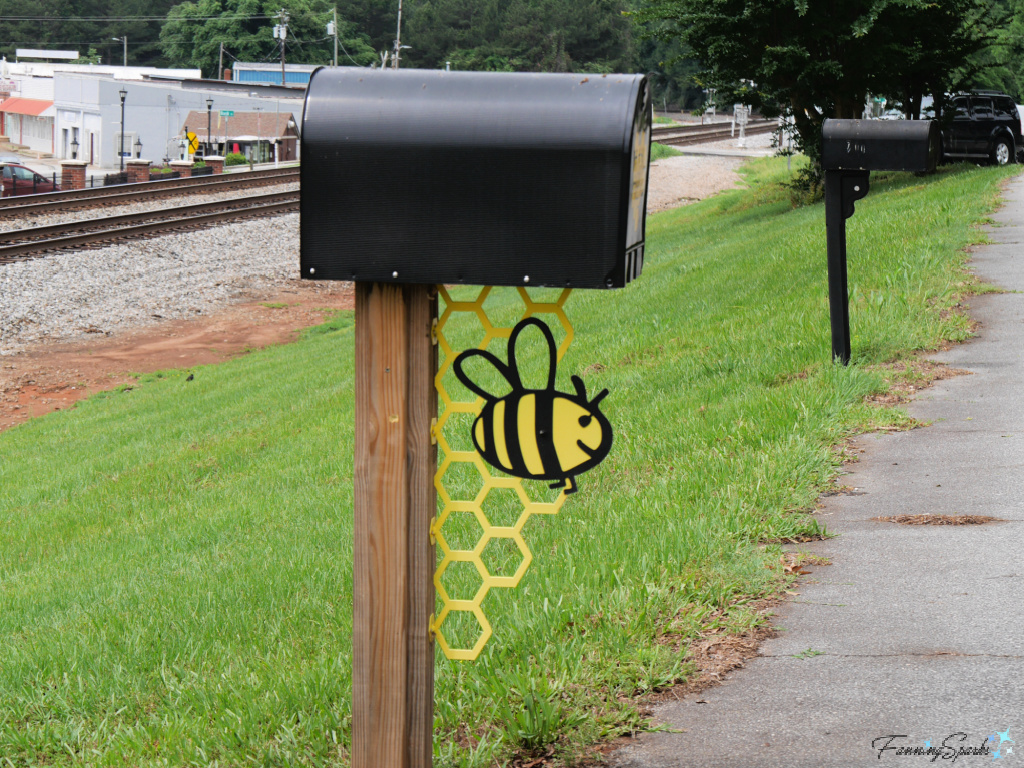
(420, 176)
(880, 145)
(850, 150)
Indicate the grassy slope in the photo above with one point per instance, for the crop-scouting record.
(175, 566)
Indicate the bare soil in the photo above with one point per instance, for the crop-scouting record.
(49, 377)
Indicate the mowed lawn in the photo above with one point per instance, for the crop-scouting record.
(175, 557)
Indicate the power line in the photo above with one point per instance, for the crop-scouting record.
(130, 18)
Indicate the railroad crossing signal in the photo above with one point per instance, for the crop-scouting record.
(193, 142)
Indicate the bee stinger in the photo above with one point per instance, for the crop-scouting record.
(537, 434)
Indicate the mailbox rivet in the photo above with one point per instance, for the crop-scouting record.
(312, 270)
(394, 274)
(856, 188)
(526, 278)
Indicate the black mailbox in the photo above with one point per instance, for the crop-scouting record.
(880, 145)
(850, 150)
(422, 176)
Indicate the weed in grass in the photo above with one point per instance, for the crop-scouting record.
(661, 151)
(808, 654)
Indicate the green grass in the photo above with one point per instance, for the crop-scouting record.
(175, 566)
(659, 151)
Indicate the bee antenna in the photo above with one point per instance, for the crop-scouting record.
(581, 388)
(599, 398)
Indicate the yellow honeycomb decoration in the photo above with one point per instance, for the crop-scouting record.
(469, 460)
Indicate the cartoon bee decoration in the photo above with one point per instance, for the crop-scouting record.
(537, 434)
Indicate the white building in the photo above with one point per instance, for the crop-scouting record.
(88, 110)
(28, 114)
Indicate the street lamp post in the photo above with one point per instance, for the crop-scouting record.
(209, 124)
(122, 93)
(124, 40)
(259, 136)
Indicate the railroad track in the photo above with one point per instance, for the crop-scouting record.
(682, 135)
(126, 194)
(21, 244)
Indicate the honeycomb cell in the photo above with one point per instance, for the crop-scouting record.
(506, 559)
(462, 633)
(460, 529)
(503, 507)
(462, 476)
(456, 428)
(461, 581)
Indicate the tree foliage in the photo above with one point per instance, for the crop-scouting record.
(814, 59)
(61, 25)
(195, 31)
(520, 35)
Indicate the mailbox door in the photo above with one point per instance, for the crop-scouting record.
(960, 127)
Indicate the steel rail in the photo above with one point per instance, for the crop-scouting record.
(676, 136)
(121, 194)
(170, 219)
(108, 222)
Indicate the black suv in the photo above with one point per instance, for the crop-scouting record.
(984, 124)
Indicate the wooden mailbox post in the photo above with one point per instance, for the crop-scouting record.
(412, 179)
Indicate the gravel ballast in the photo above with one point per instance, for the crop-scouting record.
(8, 223)
(70, 295)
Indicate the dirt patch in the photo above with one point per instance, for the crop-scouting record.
(683, 179)
(907, 377)
(938, 519)
(49, 377)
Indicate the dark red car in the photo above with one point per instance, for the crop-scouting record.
(19, 180)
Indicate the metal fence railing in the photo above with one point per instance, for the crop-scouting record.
(17, 185)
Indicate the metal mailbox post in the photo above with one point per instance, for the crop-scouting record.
(416, 178)
(851, 149)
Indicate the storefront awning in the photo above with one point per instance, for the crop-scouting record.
(19, 106)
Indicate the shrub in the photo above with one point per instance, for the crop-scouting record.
(235, 158)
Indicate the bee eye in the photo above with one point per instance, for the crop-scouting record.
(585, 420)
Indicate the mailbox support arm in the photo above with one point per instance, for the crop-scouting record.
(842, 190)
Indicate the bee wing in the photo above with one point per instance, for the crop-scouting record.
(552, 351)
(462, 376)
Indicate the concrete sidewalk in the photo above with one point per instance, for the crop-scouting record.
(913, 631)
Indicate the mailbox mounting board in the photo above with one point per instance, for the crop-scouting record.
(424, 176)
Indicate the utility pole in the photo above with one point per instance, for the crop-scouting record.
(398, 37)
(334, 30)
(280, 33)
(125, 41)
(220, 74)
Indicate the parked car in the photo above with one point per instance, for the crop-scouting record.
(985, 124)
(19, 180)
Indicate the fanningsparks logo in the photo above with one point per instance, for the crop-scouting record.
(996, 745)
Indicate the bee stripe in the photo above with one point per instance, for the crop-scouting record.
(545, 442)
(527, 432)
(498, 434)
(510, 440)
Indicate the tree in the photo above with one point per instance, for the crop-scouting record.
(521, 35)
(814, 59)
(194, 32)
(84, 24)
